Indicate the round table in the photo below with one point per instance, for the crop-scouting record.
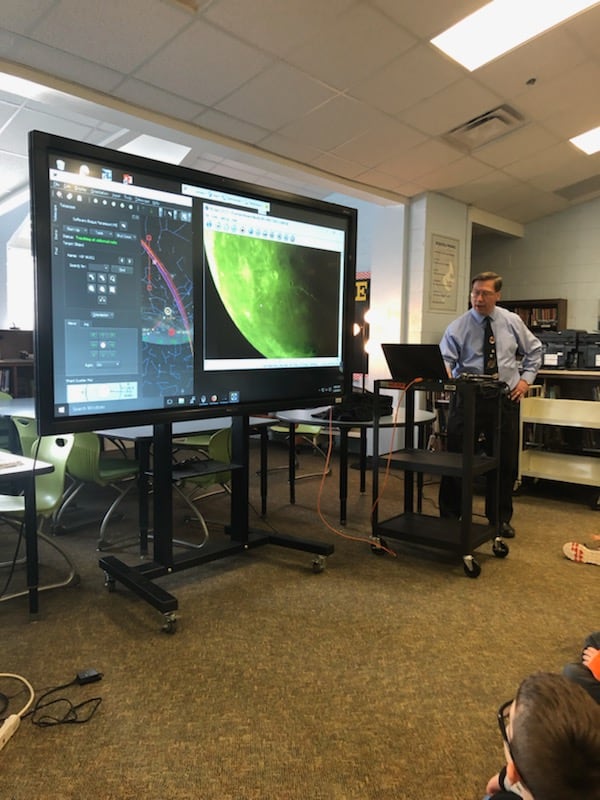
(305, 416)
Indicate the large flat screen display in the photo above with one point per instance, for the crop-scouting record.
(164, 293)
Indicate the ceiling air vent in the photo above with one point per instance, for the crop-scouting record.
(581, 189)
(485, 128)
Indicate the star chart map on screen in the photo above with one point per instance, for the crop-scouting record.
(165, 293)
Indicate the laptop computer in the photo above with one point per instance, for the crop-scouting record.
(409, 361)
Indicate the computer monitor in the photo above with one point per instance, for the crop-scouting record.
(165, 293)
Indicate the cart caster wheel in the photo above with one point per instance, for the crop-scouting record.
(170, 624)
(471, 567)
(109, 583)
(500, 549)
(319, 563)
(378, 546)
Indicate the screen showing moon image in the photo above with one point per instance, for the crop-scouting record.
(273, 289)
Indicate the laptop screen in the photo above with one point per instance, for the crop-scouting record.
(409, 361)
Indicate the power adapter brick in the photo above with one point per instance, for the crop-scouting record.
(88, 676)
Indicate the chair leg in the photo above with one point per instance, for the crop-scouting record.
(199, 517)
(71, 579)
(103, 543)
(68, 497)
(15, 561)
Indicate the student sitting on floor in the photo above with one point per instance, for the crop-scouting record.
(551, 735)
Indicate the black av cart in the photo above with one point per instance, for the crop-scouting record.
(462, 536)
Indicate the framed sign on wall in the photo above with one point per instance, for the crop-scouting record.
(443, 280)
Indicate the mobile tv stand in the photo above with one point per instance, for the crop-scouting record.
(457, 536)
(140, 578)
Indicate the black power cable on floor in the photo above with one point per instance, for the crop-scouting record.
(64, 711)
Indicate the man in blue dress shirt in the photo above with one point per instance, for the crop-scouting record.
(512, 354)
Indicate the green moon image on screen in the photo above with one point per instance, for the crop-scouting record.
(262, 286)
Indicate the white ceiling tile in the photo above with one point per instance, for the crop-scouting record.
(272, 25)
(534, 206)
(455, 174)
(88, 30)
(147, 96)
(191, 65)
(416, 75)
(481, 189)
(453, 106)
(20, 17)
(568, 174)
(14, 136)
(105, 138)
(562, 94)
(540, 163)
(525, 141)
(276, 97)
(204, 164)
(50, 61)
(15, 173)
(410, 189)
(391, 183)
(579, 120)
(381, 142)
(427, 18)
(420, 160)
(351, 47)
(221, 123)
(543, 58)
(585, 29)
(338, 166)
(290, 148)
(332, 123)
(8, 109)
(234, 68)
(521, 194)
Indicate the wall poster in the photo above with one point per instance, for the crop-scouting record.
(444, 273)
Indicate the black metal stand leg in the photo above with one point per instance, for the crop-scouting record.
(264, 440)
(140, 579)
(292, 463)
(343, 473)
(143, 456)
(31, 543)
(363, 460)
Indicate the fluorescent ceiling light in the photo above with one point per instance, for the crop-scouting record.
(159, 149)
(24, 88)
(589, 141)
(501, 26)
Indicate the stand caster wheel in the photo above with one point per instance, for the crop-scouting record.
(471, 567)
(109, 582)
(378, 546)
(500, 548)
(170, 624)
(319, 563)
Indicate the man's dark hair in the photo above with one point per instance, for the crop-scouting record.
(488, 276)
(556, 738)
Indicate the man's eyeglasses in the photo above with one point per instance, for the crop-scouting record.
(503, 716)
(482, 293)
